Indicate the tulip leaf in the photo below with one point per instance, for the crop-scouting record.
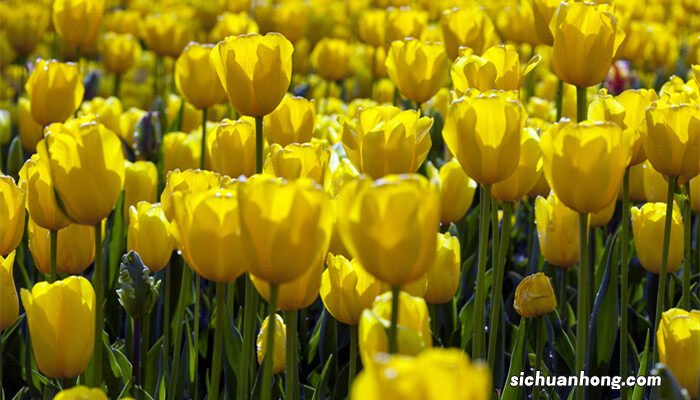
(5, 337)
(605, 316)
(466, 317)
(322, 383)
(639, 390)
(21, 393)
(562, 343)
(517, 363)
(117, 241)
(670, 389)
(15, 158)
(234, 346)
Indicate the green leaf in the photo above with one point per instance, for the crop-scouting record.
(562, 343)
(5, 337)
(234, 346)
(466, 317)
(517, 361)
(322, 383)
(669, 389)
(639, 390)
(606, 314)
(15, 158)
(117, 242)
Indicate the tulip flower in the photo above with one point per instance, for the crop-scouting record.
(295, 295)
(232, 147)
(331, 59)
(434, 374)
(188, 181)
(123, 21)
(35, 177)
(129, 121)
(119, 52)
(679, 347)
(232, 24)
(602, 217)
(280, 350)
(371, 27)
(150, 235)
(166, 34)
(51, 306)
(12, 214)
(413, 327)
(254, 70)
(557, 230)
(291, 19)
(418, 69)
(75, 249)
(648, 232)
(443, 278)
(586, 38)
(498, 68)
(384, 140)
(29, 131)
(78, 21)
(526, 174)
(140, 184)
(196, 78)
(653, 184)
(55, 91)
(402, 23)
(23, 35)
(81, 393)
(191, 117)
(543, 10)
(347, 289)
(484, 132)
(516, 23)
(456, 190)
(9, 304)
(181, 151)
(470, 27)
(695, 194)
(107, 111)
(294, 161)
(292, 121)
(534, 296)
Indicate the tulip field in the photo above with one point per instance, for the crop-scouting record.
(349, 199)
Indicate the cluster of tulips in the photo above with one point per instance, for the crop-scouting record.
(276, 198)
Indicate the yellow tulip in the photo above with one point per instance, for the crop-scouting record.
(291, 19)
(654, 184)
(195, 77)
(232, 24)
(87, 166)
(12, 214)
(292, 121)
(188, 181)
(107, 111)
(484, 132)
(232, 148)
(543, 11)
(678, 340)
(294, 161)
(637, 183)
(516, 23)
(470, 27)
(586, 38)
(182, 151)
(254, 70)
(389, 225)
(498, 68)
(526, 174)
(434, 374)
(140, 184)
(208, 230)
(75, 248)
(35, 177)
(557, 231)
(295, 295)
(123, 21)
(81, 393)
(672, 139)
(150, 235)
(25, 24)
(166, 34)
(695, 194)
(456, 190)
(9, 304)
(593, 152)
(29, 131)
(443, 278)
(371, 27)
(403, 22)
(331, 59)
(286, 227)
(55, 91)
(347, 289)
(418, 69)
(413, 334)
(119, 52)
(280, 349)
(534, 296)
(648, 231)
(128, 123)
(191, 117)
(602, 217)
(384, 140)
(635, 102)
(51, 307)
(78, 21)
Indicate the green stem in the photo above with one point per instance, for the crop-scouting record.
(166, 319)
(434, 323)
(480, 300)
(136, 353)
(497, 287)
(258, 144)
(185, 287)
(559, 99)
(495, 240)
(687, 257)
(54, 249)
(98, 284)
(249, 324)
(195, 327)
(270, 344)
(353, 355)
(292, 378)
(624, 291)
(664, 260)
(581, 106)
(145, 343)
(203, 151)
(393, 328)
(563, 295)
(218, 340)
(539, 349)
(582, 302)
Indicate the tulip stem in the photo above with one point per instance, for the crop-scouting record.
(624, 292)
(480, 299)
(393, 343)
(258, 144)
(249, 323)
(270, 344)
(145, 335)
(136, 355)
(563, 295)
(292, 379)
(539, 349)
(687, 257)
(98, 284)
(195, 327)
(218, 340)
(581, 106)
(497, 287)
(54, 248)
(166, 319)
(664, 260)
(582, 302)
(203, 151)
(353, 355)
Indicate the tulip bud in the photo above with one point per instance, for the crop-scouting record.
(123, 22)
(138, 290)
(557, 231)
(413, 327)
(9, 304)
(526, 174)
(295, 295)
(331, 58)
(534, 296)
(384, 140)
(443, 278)
(498, 68)
(417, 82)
(50, 307)
(294, 161)
(280, 349)
(25, 24)
(55, 91)
(78, 21)
(166, 34)
(75, 249)
(291, 19)
(489, 152)
(258, 72)
(119, 52)
(456, 190)
(678, 339)
(196, 78)
(232, 24)
(12, 201)
(404, 22)
(292, 121)
(150, 235)
(371, 27)
(81, 393)
(648, 225)
(405, 205)
(470, 27)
